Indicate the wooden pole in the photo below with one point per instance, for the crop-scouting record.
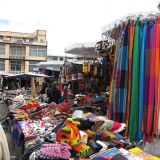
(33, 87)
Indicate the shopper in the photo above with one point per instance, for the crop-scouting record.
(45, 85)
(65, 92)
(54, 94)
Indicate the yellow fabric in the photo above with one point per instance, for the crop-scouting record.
(135, 150)
(86, 67)
(140, 153)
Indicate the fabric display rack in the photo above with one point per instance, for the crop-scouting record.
(134, 97)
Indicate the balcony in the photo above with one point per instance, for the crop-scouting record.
(16, 72)
(11, 56)
(23, 42)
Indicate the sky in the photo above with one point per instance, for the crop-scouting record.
(67, 21)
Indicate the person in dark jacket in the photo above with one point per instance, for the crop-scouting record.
(54, 94)
(45, 85)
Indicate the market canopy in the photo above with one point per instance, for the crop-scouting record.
(29, 74)
(51, 65)
(82, 50)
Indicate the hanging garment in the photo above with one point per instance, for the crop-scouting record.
(112, 85)
(120, 93)
(86, 68)
(157, 70)
(158, 108)
(115, 78)
(133, 122)
(123, 77)
(146, 79)
(141, 76)
(151, 82)
(129, 79)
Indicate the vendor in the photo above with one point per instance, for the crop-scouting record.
(54, 94)
(45, 86)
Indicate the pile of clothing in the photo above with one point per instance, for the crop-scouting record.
(91, 134)
(53, 151)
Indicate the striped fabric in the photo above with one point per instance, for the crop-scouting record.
(119, 81)
(129, 79)
(135, 86)
(114, 75)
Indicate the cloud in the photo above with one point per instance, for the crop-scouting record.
(4, 22)
(67, 21)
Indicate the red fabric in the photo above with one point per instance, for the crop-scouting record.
(107, 158)
(63, 107)
(121, 144)
(85, 98)
(116, 126)
(60, 85)
(25, 107)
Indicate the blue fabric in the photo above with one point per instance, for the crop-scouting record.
(141, 77)
(17, 133)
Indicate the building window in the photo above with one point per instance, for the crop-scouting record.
(16, 50)
(55, 58)
(15, 65)
(37, 51)
(2, 65)
(61, 58)
(2, 49)
(33, 66)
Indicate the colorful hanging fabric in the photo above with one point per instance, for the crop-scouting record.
(112, 99)
(142, 35)
(133, 123)
(119, 79)
(129, 79)
(135, 86)
(158, 52)
(151, 82)
(123, 77)
(157, 70)
(146, 80)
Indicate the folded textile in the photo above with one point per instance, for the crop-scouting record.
(112, 126)
(29, 150)
(54, 151)
(119, 157)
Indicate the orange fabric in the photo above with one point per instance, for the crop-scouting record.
(131, 35)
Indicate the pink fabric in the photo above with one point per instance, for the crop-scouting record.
(58, 150)
(116, 126)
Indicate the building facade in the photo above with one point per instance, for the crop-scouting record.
(56, 62)
(21, 52)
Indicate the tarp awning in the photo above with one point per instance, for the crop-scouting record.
(29, 74)
(82, 50)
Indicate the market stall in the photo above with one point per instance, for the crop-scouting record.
(29, 81)
(124, 67)
(51, 131)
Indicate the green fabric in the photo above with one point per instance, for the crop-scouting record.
(133, 123)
